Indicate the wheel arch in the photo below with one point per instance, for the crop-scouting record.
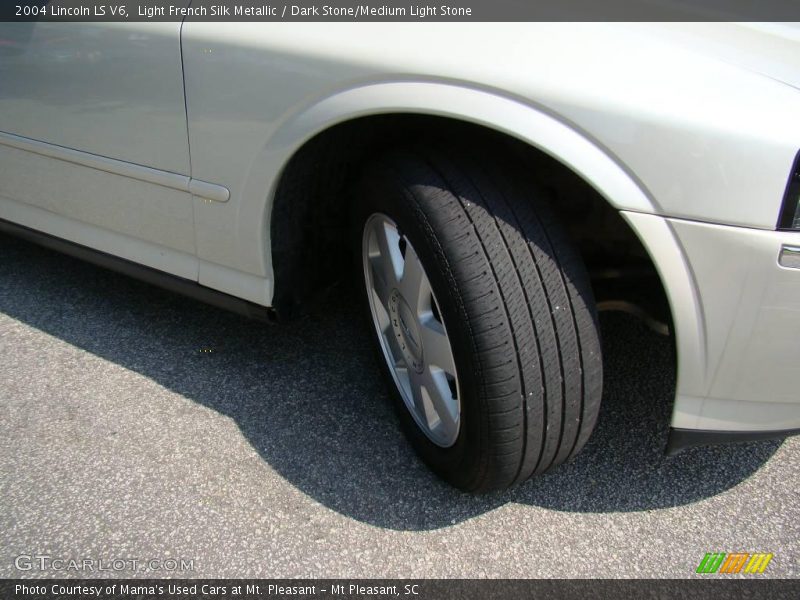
(526, 122)
(532, 126)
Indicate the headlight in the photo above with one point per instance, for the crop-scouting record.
(790, 213)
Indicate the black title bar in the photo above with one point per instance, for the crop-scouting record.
(393, 10)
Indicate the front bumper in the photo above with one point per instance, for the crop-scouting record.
(736, 313)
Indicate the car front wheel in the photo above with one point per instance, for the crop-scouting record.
(483, 316)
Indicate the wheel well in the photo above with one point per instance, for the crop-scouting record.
(309, 222)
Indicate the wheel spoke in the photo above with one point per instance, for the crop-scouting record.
(404, 380)
(381, 315)
(416, 392)
(394, 350)
(380, 286)
(414, 284)
(437, 345)
(385, 260)
(391, 257)
(442, 401)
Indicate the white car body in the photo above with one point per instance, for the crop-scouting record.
(163, 144)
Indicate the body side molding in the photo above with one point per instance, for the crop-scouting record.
(176, 181)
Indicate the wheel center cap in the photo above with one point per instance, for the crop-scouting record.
(406, 330)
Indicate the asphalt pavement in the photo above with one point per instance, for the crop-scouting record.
(138, 424)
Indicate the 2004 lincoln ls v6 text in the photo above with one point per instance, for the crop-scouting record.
(490, 186)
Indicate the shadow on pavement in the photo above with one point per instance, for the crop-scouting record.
(308, 397)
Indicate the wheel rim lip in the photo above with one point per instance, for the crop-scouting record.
(408, 401)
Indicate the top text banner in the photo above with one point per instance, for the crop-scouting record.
(411, 10)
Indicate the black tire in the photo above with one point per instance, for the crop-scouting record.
(518, 308)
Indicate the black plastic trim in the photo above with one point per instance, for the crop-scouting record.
(179, 285)
(790, 209)
(681, 439)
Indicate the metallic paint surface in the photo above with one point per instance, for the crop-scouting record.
(689, 129)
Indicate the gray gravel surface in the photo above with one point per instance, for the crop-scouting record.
(136, 423)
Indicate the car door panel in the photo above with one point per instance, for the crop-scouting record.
(93, 130)
(111, 89)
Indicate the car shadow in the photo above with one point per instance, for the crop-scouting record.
(308, 397)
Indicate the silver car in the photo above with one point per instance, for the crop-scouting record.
(489, 186)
